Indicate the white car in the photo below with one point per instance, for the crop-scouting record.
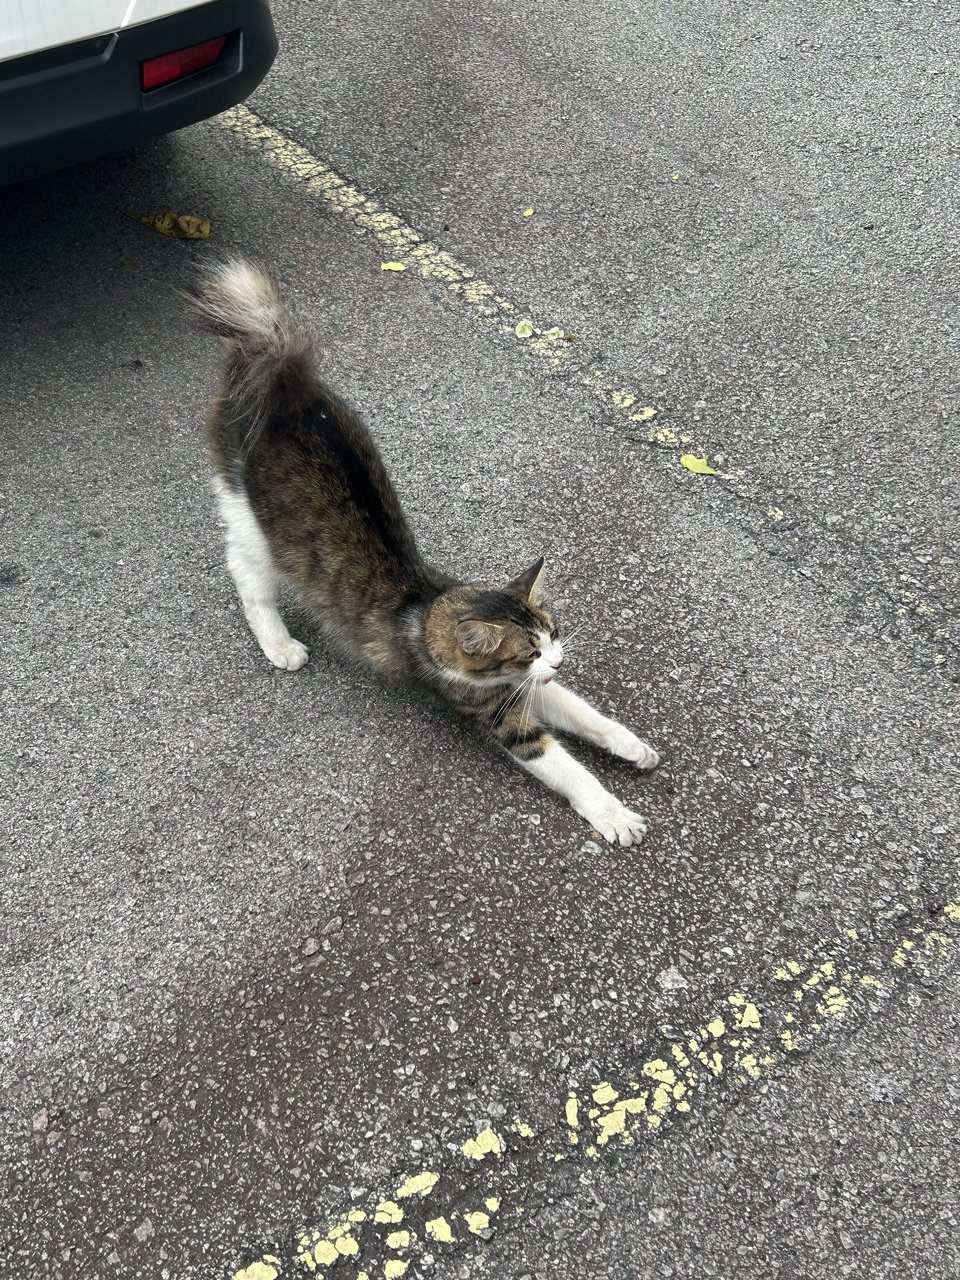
(79, 78)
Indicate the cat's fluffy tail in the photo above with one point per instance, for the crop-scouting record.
(266, 349)
(241, 302)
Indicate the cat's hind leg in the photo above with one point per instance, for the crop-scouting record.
(256, 579)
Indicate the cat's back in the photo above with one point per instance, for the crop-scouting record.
(319, 488)
(303, 460)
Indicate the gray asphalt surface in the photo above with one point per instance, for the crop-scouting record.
(269, 939)
(823, 1175)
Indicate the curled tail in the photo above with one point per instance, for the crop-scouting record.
(264, 346)
(242, 303)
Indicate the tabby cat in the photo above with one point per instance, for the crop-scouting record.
(305, 497)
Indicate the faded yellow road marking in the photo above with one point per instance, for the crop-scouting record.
(420, 1184)
(405, 248)
(267, 1268)
(487, 1142)
(802, 1001)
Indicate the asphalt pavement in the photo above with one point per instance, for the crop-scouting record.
(282, 949)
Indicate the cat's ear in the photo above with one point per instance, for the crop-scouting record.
(478, 638)
(529, 585)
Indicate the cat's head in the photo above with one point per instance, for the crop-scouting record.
(489, 635)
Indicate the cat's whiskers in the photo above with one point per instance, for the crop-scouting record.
(512, 700)
(566, 641)
(525, 712)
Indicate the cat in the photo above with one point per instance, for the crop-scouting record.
(305, 497)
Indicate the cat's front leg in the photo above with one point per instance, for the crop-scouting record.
(557, 769)
(563, 710)
(540, 754)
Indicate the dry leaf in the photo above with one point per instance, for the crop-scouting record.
(528, 212)
(393, 266)
(524, 329)
(699, 466)
(556, 332)
(182, 226)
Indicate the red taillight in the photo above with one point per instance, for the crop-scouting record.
(174, 66)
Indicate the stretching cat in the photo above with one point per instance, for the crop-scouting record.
(305, 496)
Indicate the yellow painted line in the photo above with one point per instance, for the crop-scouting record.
(405, 249)
(266, 1268)
(487, 1142)
(421, 1184)
(747, 1039)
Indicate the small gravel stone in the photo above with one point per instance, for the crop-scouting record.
(671, 979)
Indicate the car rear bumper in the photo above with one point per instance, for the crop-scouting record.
(84, 99)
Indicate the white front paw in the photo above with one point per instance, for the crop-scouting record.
(615, 822)
(621, 742)
(288, 655)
